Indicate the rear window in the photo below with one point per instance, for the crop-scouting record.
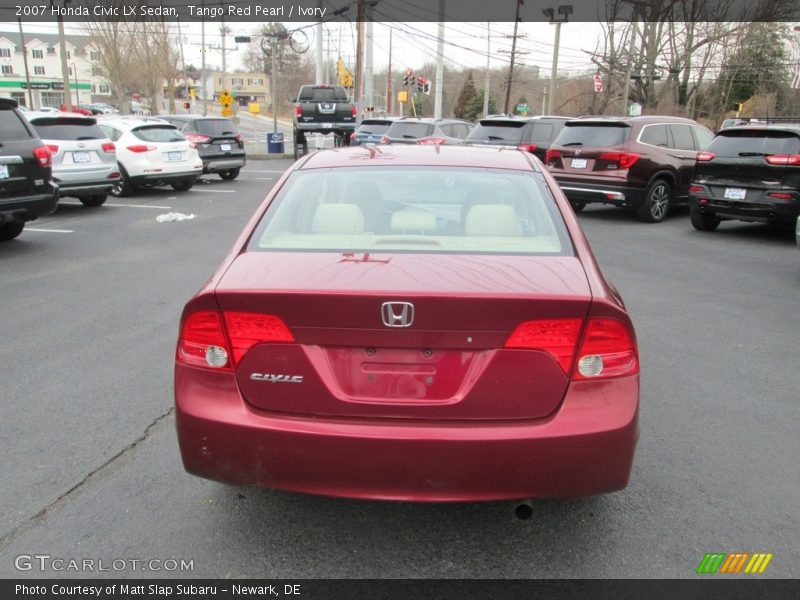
(733, 143)
(414, 209)
(158, 133)
(322, 94)
(410, 130)
(593, 135)
(12, 127)
(214, 127)
(540, 132)
(68, 129)
(370, 126)
(496, 132)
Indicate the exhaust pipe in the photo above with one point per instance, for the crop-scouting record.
(524, 510)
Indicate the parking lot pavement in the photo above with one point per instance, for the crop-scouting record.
(91, 468)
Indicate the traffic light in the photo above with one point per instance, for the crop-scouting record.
(412, 81)
(426, 88)
(408, 77)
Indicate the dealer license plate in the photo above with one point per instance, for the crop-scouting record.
(735, 193)
(4, 172)
(81, 157)
(174, 156)
(578, 163)
(225, 147)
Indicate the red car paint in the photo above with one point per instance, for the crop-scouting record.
(453, 408)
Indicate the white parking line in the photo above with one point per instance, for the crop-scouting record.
(257, 171)
(263, 178)
(213, 191)
(49, 230)
(122, 205)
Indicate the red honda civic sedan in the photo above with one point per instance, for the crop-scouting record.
(423, 323)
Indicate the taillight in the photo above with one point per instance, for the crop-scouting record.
(385, 139)
(44, 156)
(607, 350)
(141, 148)
(299, 110)
(527, 147)
(551, 155)
(248, 329)
(430, 141)
(559, 337)
(198, 138)
(696, 188)
(53, 148)
(355, 112)
(109, 148)
(783, 159)
(240, 138)
(202, 341)
(705, 156)
(780, 195)
(624, 160)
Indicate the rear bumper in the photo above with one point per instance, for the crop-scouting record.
(165, 178)
(761, 209)
(85, 189)
(216, 164)
(585, 448)
(581, 191)
(28, 208)
(322, 127)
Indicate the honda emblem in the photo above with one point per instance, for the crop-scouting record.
(397, 314)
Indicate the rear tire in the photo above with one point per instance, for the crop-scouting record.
(182, 186)
(230, 174)
(578, 206)
(655, 205)
(703, 221)
(123, 187)
(11, 230)
(96, 200)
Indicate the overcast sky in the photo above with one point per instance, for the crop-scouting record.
(412, 43)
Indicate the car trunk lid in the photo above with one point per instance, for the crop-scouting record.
(449, 362)
(591, 148)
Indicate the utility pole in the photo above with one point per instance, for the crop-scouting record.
(183, 64)
(318, 78)
(25, 62)
(64, 69)
(439, 91)
(389, 90)
(488, 62)
(358, 90)
(203, 65)
(513, 55)
(368, 78)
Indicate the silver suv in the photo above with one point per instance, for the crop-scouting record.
(84, 159)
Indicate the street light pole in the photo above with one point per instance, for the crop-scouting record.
(564, 12)
(513, 54)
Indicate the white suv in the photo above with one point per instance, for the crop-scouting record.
(151, 152)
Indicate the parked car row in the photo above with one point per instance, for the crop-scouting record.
(47, 155)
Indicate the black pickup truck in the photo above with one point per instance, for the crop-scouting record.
(323, 109)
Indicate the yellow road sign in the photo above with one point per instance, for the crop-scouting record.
(227, 111)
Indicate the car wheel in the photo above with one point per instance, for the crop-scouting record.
(703, 221)
(96, 200)
(123, 186)
(230, 174)
(657, 199)
(578, 206)
(11, 230)
(183, 186)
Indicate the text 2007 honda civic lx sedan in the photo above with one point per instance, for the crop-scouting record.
(420, 323)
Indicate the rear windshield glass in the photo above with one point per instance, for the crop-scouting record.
(754, 143)
(374, 126)
(595, 135)
(496, 132)
(414, 209)
(158, 133)
(540, 132)
(67, 129)
(410, 130)
(322, 94)
(214, 126)
(11, 127)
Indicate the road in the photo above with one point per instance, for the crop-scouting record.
(91, 300)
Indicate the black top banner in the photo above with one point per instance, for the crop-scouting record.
(295, 11)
